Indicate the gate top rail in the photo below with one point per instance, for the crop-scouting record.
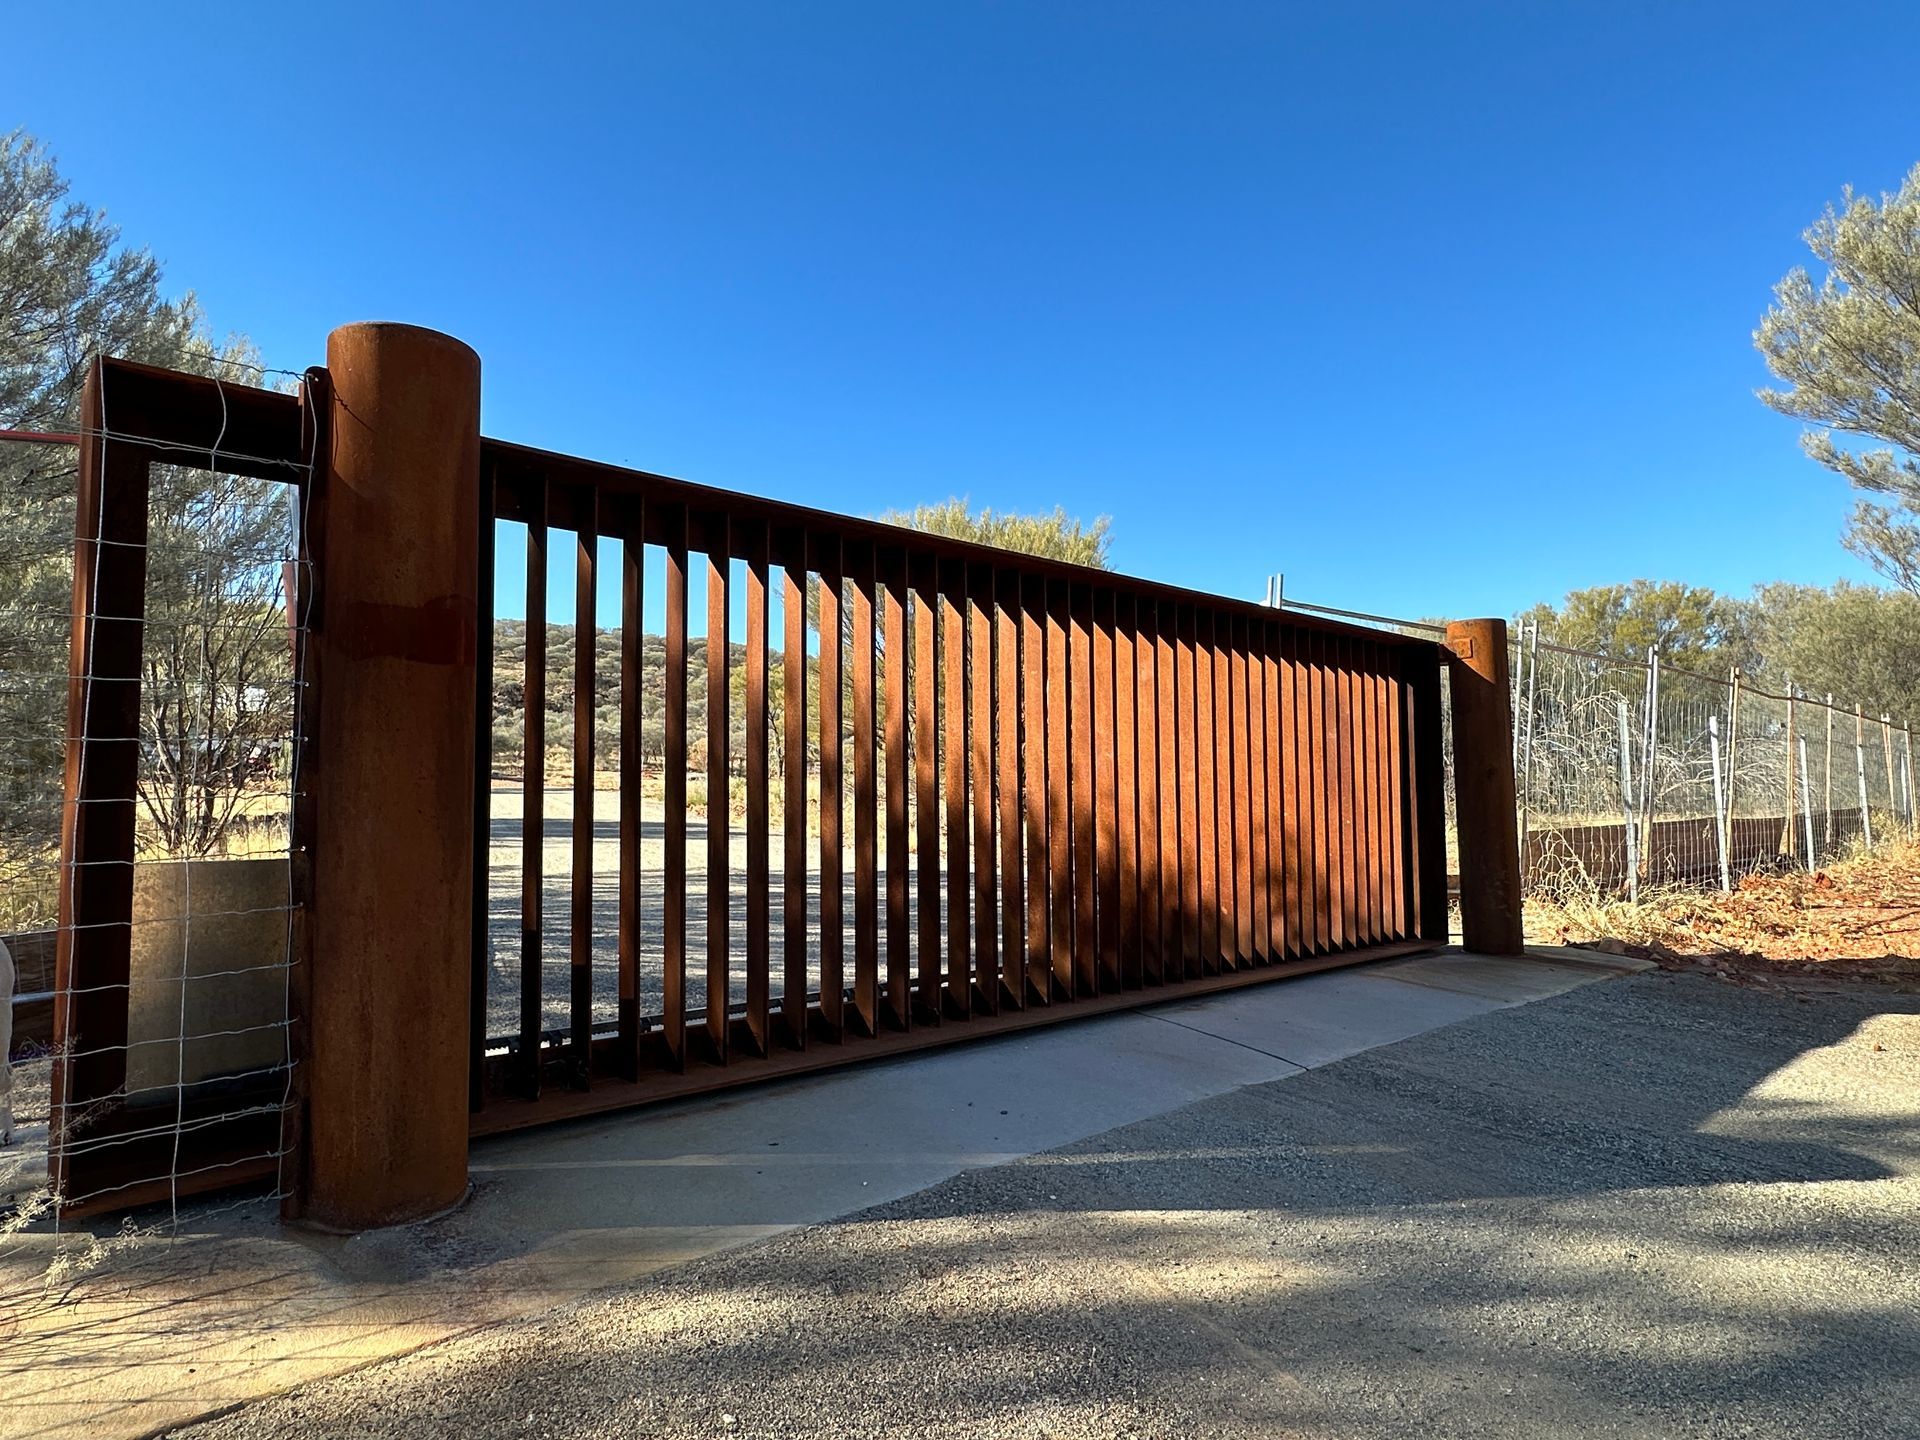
(508, 469)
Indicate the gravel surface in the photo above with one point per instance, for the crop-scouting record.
(1658, 1206)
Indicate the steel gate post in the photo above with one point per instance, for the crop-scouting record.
(1484, 792)
(398, 608)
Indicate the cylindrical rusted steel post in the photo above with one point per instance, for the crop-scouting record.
(391, 924)
(1484, 788)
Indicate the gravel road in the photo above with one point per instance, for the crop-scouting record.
(1659, 1206)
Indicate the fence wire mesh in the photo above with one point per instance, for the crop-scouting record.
(207, 1044)
(1636, 773)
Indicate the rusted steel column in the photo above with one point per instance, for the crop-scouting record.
(393, 830)
(1483, 787)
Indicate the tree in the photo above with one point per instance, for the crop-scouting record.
(1056, 537)
(70, 290)
(1689, 624)
(1859, 643)
(1848, 351)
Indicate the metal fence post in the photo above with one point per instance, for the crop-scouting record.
(392, 919)
(1906, 773)
(1626, 805)
(1806, 802)
(1860, 768)
(1826, 833)
(1886, 750)
(1648, 756)
(1488, 810)
(1719, 801)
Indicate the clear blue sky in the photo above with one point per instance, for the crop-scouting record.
(1438, 308)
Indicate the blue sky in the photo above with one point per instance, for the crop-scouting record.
(1438, 308)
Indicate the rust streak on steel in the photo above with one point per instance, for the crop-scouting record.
(1059, 821)
(899, 1010)
(1081, 792)
(1126, 754)
(1013, 959)
(980, 714)
(1034, 759)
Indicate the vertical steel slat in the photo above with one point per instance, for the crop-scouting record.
(482, 967)
(1317, 757)
(1167, 797)
(1013, 911)
(1273, 726)
(866, 885)
(1147, 766)
(585, 636)
(1384, 764)
(1429, 868)
(1261, 944)
(1227, 851)
(1059, 821)
(1395, 792)
(899, 907)
(759, 840)
(1207, 819)
(719, 788)
(981, 676)
(1293, 798)
(533, 793)
(1106, 808)
(1081, 712)
(926, 787)
(833, 934)
(1340, 808)
(953, 782)
(1034, 751)
(1126, 757)
(1244, 909)
(1361, 788)
(1354, 719)
(673, 893)
(1186, 944)
(793, 793)
(1370, 774)
(632, 773)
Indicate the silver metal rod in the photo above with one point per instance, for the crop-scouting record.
(1720, 801)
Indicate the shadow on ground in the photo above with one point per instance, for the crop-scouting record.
(1658, 1206)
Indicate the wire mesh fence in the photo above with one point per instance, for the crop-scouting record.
(157, 702)
(1637, 773)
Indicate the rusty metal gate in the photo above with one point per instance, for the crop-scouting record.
(1019, 791)
(954, 791)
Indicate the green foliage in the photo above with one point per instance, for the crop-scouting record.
(1056, 537)
(1690, 625)
(217, 658)
(1859, 643)
(1848, 351)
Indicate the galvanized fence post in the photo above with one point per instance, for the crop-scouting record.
(1719, 800)
(1860, 769)
(1806, 802)
(1826, 832)
(1626, 805)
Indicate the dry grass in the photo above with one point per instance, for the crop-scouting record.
(1857, 919)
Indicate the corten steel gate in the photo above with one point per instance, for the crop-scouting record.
(1141, 792)
(1039, 791)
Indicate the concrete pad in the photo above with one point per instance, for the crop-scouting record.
(232, 1307)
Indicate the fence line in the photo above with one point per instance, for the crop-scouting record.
(1635, 771)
